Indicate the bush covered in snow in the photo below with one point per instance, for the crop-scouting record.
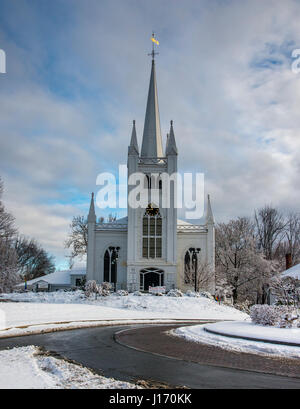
(92, 287)
(175, 293)
(122, 293)
(283, 316)
(290, 320)
(206, 294)
(137, 293)
(190, 293)
(243, 306)
(105, 289)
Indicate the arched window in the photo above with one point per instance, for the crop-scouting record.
(110, 265)
(147, 184)
(152, 233)
(189, 268)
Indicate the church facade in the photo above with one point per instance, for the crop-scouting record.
(151, 247)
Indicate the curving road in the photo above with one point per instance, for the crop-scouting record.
(96, 348)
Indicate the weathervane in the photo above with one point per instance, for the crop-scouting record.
(154, 41)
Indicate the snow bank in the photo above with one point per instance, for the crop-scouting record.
(26, 368)
(197, 333)
(61, 307)
(251, 330)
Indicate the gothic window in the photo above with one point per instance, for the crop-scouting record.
(152, 233)
(147, 182)
(189, 268)
(110, 265)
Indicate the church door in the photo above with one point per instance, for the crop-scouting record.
(151, 277)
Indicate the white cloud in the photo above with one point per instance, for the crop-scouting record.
(235, 109)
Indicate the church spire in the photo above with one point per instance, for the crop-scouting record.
(152, 141)
(209, 213)
(133, 148)
(92, 214)
(171, 148)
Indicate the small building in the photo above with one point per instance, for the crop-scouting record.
(59, 280)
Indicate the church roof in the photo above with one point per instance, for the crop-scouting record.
(152, 141)
(121, 225)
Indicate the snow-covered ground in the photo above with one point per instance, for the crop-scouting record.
(27, 368)
(67, 308)
(197, 333)
(250, 330)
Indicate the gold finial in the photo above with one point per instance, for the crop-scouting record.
(154, 41)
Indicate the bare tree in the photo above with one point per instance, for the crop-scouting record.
(238, 259)
(270, 227)
(286, 290)
(8, 258)
(290, 244)
(9, 276)
(33, 260)
(204, 275)
(7, 226)
(78, 237)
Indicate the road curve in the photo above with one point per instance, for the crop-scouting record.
(96, 348)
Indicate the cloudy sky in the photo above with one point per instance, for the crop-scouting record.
(78, 73)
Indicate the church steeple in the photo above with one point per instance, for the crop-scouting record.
(171, 148)
(209, 213)
(92, 213)
(152, 141)
(133, 148)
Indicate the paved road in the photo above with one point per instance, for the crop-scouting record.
(97, 349)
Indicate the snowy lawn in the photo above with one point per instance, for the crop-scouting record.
(61, 308)
(28, 368)
(197, 333)
(250, 330)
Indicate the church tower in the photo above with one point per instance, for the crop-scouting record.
(151, 247)
(152, 229)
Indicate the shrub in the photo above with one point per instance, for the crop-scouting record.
(122, 293)
(91, 287)
(282, 316)
(105, 289)
(206, 294)
(175, 293)
(137, 293)
(190, 293)
(243, 306)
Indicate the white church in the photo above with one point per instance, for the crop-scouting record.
(151, 247)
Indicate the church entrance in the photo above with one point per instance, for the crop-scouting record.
(151, 277)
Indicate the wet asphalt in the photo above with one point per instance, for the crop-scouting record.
(97, 349)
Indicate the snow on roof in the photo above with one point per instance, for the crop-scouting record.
(183, 223)
(58, 277)
(124, 220)
(293, 272)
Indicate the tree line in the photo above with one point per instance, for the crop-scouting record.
(251, 251)
(21, 258)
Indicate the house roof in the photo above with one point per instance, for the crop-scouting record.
(293, 272)
(58, 277)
